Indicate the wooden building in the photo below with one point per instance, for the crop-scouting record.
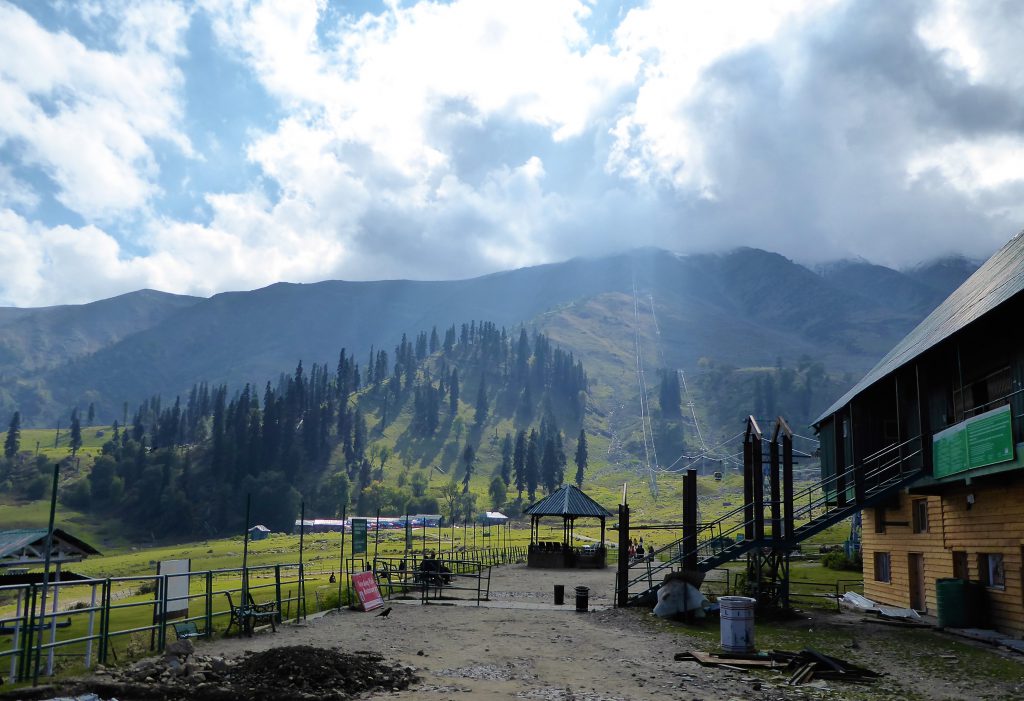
(930, 444)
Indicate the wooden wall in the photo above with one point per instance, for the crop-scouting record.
(993, 524)
(899, 541)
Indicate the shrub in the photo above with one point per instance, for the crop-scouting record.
(837, 560)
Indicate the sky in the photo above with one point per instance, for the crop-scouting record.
(198, 147)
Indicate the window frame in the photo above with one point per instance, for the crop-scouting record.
(919, 515)
(883, 567)
(992, 570)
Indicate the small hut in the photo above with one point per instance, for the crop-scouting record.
(568, 503)
(259, 532)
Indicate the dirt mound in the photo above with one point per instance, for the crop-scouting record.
(300, 673)
(311, 670)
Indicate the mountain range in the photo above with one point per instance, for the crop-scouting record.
(746, 308)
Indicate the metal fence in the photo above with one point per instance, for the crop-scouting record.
(99, 616)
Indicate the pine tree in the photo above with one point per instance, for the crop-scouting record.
(581, 457)
(468, 456)
(532, 465)
(76, 433)
(549, 465)
(481, 403)
(497, 491)
(453, 393)
(92, 413)
(12, 444)
(506, 459)
(519, 462)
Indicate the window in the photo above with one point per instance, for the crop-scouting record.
(920, 508)
(990, 570)
(882, 567)
(980, 394)
(960, 565)
(879, 519)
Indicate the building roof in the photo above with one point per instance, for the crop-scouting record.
(259, 527)
(27, 546)
(495, 516)
(995, 282)
(568, 500)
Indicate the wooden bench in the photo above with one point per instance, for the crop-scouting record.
(246, 617)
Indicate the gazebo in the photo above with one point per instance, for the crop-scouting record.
(568, 503)
(25, 548)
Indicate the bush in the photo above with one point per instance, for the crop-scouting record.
(837, 560)
(77, 495)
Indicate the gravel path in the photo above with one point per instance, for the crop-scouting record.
(538, 651)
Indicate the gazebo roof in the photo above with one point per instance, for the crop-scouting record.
(27, 546)
(568, 500)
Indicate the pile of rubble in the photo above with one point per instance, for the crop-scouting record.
(296, 672)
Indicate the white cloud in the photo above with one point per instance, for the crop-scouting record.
(677, 41)
(447, 139)
(88, 117)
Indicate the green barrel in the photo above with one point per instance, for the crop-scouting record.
(954, 606)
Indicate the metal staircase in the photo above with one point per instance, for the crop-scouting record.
(813, 508)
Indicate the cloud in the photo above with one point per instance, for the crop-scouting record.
(88, 117)
(449, 139)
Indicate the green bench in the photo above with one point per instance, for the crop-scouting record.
(187, 630)
(248, 616)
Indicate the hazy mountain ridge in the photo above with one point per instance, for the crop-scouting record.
(746, 307)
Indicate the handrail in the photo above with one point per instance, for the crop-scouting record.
(715, 537)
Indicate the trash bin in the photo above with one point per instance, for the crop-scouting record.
(582, 598)
(559, 594)
(737, 614)
(951, 596)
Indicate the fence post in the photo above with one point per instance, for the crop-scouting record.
(277, 590)
(26, 656)
(208, 603)
(105, 622)
(163, 615)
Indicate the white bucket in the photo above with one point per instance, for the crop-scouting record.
(737, 614)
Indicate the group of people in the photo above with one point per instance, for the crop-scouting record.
(639, 552)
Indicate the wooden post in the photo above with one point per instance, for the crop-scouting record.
(341, 560)
(622, 573)
(758, 487)
(748, 480)
(773, 484)
(690, 520)
(787, 482)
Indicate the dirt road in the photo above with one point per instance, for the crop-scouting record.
(534, 650)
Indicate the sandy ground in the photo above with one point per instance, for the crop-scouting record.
(526, 648)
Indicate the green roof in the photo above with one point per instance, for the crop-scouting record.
(568, 500)
(999, 279)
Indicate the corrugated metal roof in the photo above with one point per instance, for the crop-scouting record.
(568, 500)
(999, 279)
(13, 541)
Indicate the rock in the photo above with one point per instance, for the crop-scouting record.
(180, 648)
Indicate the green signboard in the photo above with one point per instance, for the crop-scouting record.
(358, 535)
(985, 439)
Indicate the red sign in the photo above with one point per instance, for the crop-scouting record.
(366, 587)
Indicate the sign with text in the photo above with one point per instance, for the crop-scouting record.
(366, 588)
(358, 535)
(985, 439)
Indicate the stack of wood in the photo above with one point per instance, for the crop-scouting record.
(804, 666)
(810, 664)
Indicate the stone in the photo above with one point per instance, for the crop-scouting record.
(180, 648)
